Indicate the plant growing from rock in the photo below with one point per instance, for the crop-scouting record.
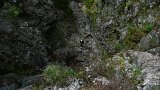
(56, 74)
(149, 27)
(134, 76)
(92, 8)
(119, 46)
(133, 36)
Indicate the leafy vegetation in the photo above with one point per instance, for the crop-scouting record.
(91, 9)
(106, 68)
(133, 36)
(135, 33)
(119, 46)
(56, 74)
(61, 76)
(114, 69)
(149, 27)
(136, 73)
(10, 11)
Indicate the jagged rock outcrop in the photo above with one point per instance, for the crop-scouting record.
(22, 42)
(123, 25)
(155, 51)
(117, 18)
(86, 38)
(152, 40)
(29, 38)
(36, 32)
(21, 47)
(150, 68)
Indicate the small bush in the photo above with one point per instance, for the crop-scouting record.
(89, 3)
(106, 67)
(133, 36)
(119, 46)
(91, 9)
(56, 74)
(136, 73)
(149, 27)
(10, 11)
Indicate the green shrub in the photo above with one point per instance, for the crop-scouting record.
(133, 36)
(89, 3)
(56, 74)
(119, 46)
(149, 27)
(106, 67)
(136, 73)
(91, 9)
(10, 11)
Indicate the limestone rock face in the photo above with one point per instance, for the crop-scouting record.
(150, 68)
(155, 51)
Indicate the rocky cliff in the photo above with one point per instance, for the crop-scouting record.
(113, 43)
